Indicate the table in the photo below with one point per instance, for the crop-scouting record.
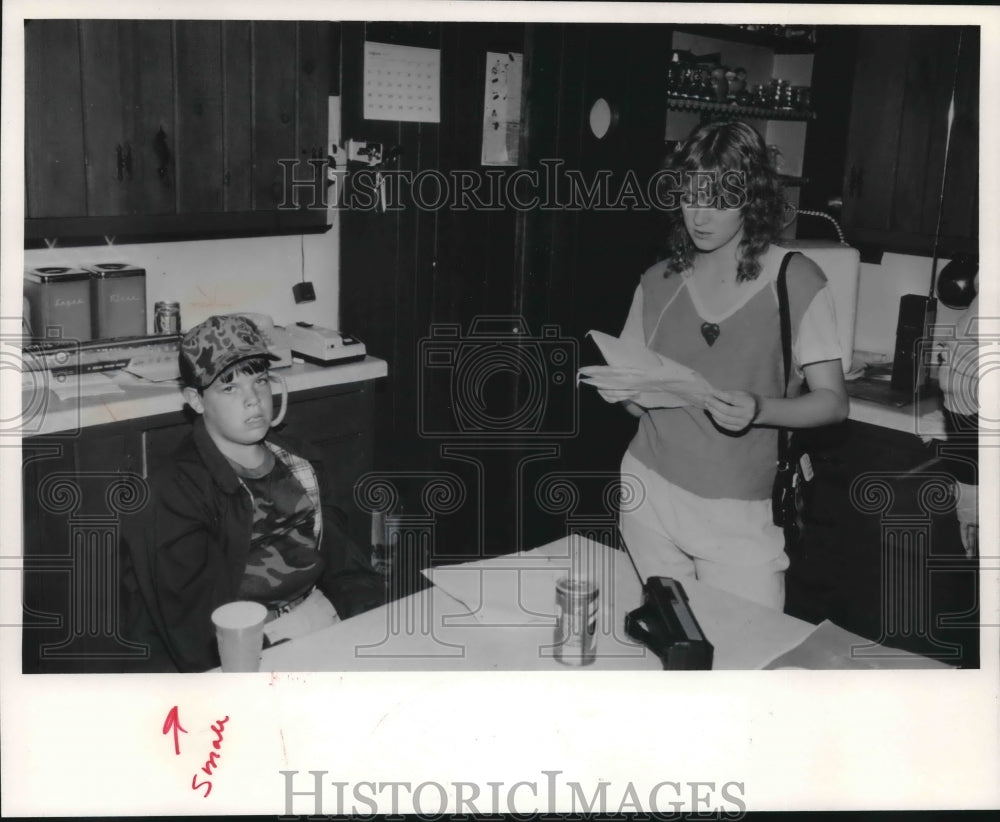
(499, 614)
(495, 614)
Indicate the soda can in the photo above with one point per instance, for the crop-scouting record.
(167, 318)
(576, 625)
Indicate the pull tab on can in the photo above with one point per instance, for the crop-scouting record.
(576, 626)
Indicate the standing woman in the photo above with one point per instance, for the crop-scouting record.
(712, 305)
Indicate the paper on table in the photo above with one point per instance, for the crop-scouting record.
(662, 382)
(830, 647)
(519, 589)
(74, 386)
(162, 369)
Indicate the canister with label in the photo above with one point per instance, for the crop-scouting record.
(118, 300)
(59, 300)
(576, 625)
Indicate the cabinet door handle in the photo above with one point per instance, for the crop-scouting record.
(127, 158)
(119, 163)
(162, 154)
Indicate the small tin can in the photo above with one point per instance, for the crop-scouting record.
(576, 625)
(167, 318)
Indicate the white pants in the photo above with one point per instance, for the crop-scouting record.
(312, 614)
(726, 543)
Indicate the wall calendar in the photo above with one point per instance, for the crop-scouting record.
(402, 83)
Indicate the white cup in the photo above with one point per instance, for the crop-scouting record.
(239, 629)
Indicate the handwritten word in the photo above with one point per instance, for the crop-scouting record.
(173, 723)
(213, 759)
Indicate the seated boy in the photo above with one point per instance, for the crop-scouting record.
(239, 513)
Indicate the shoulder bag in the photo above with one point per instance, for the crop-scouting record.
(794, 466)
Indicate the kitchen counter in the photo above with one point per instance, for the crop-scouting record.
(117, 396)
(873, 400)
(875, 403)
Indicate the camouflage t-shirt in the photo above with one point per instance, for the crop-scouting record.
(283, 562)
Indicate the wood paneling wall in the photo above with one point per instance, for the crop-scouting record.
(404, 272)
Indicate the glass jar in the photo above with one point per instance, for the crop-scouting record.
(802, 98)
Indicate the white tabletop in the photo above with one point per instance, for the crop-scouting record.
(499, 614)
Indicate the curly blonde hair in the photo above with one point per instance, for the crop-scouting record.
(729, 150)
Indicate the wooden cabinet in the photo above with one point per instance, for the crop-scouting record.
(55, 168)
(160, 127)
(128, 113)
(892, 182)
(104, 124)
(77, 488)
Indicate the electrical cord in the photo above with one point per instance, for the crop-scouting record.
(809, 213)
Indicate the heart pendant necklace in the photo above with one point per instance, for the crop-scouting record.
(710, 331)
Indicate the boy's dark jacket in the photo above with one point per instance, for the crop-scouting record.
(185, 554)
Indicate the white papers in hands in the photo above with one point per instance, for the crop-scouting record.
(637, 373)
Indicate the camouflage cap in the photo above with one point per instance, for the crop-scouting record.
(212, 346)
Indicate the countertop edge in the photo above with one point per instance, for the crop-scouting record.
(43, 414)
(910, 419)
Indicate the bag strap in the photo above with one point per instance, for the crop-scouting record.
(786, 320)
(786, 345)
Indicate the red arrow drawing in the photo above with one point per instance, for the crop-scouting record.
(173, 722)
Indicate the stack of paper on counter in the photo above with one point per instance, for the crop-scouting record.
(657, 381)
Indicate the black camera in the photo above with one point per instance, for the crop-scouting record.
(665, 624)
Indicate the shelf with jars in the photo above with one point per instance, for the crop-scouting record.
(677, 103)
(780, 39)
(731, 73)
